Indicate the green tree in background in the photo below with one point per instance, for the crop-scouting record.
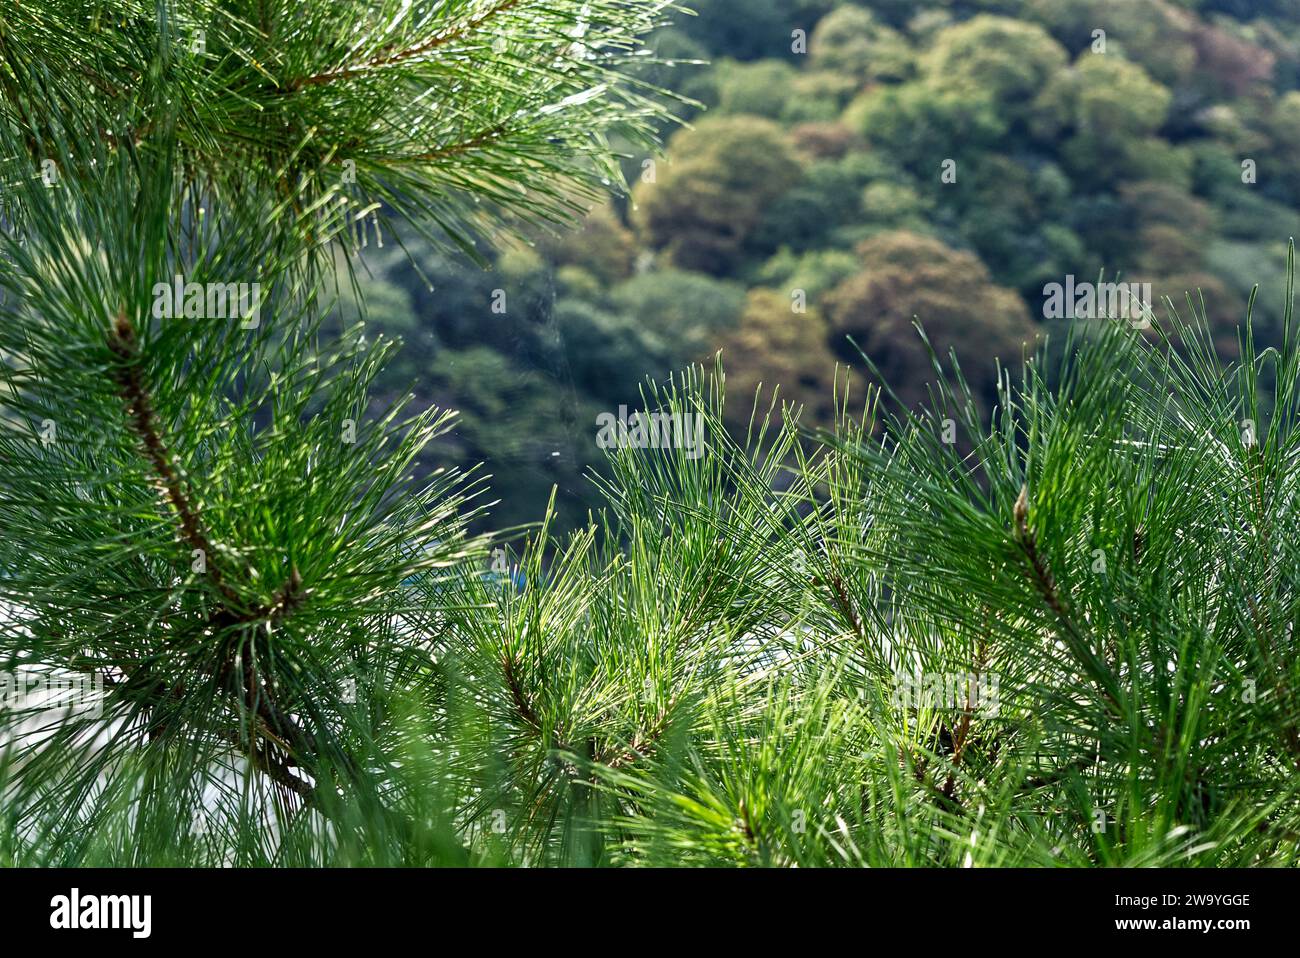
(1006, 60)
(851, 40)
(905, 276)
(711, 190)
(778, 351)
(1107, 110)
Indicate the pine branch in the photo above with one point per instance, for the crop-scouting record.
(960, 737)
(845, 605)
(495, 132)
(1044, 581)
(144, 422)
(518, 697)
(387, 58)
(256, 696)
(1045, 585)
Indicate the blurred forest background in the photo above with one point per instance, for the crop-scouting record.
(803, 201)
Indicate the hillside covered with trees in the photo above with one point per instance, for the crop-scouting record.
(841, 169)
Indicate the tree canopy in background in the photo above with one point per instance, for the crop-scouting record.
(1018, 141)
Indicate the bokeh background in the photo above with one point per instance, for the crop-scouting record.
(841, 168)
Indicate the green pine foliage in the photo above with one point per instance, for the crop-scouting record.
(1062, 635)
